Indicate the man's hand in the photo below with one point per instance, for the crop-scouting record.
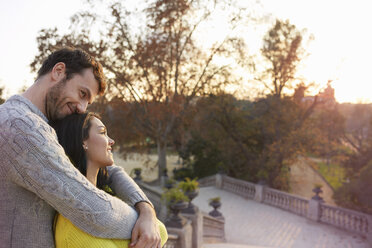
(145, 233)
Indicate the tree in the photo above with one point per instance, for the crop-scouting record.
(331, 126)
(357, 193)
(159, 70)
(223, 137)
(358, 128)
(282, 52)
(260, 142)
(253, 141)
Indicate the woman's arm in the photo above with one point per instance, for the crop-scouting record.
(125, 187)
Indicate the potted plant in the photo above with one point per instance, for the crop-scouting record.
(191, 189)
(215, 202)
(189, 185)
(137, 171)
(169, 183)
(317, 190)
(176, 201)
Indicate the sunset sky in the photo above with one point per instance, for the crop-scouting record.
(340, 50)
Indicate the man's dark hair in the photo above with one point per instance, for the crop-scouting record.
(71, 132)
(76, 61)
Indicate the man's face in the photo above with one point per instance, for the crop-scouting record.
(71, 96)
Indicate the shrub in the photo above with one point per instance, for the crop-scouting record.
(188, 185)
(174, 195)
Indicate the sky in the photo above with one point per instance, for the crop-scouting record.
(341, 49)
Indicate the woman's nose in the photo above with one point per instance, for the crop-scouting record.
(111, 141)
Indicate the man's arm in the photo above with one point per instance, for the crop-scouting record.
(40, 165)
(146, 229)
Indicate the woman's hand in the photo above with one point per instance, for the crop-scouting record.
(145, 233)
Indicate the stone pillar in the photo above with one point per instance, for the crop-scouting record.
(219, 182)
(313, 212)
(197, 228)
(260, 190)
(184, 235)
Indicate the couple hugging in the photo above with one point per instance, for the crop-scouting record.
(56, 161)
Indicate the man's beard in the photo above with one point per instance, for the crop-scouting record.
(53, 101)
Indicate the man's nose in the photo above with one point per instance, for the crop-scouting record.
(82, 107)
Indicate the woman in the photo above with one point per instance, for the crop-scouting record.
(85, 140)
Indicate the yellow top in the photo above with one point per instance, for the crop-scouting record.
(67, 235)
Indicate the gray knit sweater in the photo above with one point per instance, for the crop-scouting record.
(37, 178)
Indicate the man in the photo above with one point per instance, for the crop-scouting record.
(36, 177)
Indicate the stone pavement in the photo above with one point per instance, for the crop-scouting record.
(252, 224)
(227, 245)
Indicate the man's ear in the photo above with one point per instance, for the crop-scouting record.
(58, 71)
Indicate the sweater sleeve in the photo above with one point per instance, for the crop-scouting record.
(125, 187)
(41, 166)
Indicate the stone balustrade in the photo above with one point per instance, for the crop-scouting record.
(172, 241)
(283, 200)
(154, 195)
(207, 181)
(213, 229)
(239, 187)
(342, 218)
(346, 219)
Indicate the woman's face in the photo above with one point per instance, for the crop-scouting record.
(98, 146)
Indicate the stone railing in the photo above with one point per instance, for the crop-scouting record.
(207, 181)
(313, 209)
(289, 202)
(154, 195)
(213, 229)
(346, 219)
(239, 187)
(172, 241)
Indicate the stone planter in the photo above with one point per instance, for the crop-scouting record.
(138, 175)
(316, 197)
(168, 185)
(175, 219)
(191, 209)
(215, 212)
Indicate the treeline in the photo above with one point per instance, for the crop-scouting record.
(252, 140)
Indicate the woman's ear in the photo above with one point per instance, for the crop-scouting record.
(85, 146)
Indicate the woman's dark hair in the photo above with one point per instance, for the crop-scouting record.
(72, 131)
(76, 61)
